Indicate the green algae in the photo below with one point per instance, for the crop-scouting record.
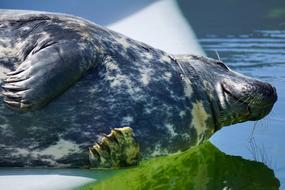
(202, 167)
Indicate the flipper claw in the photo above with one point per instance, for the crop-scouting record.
(118, 149)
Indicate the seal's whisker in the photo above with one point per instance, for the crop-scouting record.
(241, 99)
(253, 130)
(259, 153)
(234, 104)
(249, 96)
(218, 56)
(267, 121)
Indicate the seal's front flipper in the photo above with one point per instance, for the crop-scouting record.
(46, 73)
(118, 149)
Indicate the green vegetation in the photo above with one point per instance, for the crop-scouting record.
(277, 13)
(202, 167)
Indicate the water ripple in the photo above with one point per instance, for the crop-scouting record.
(261, 49)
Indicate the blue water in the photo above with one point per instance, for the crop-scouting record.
(260, 54)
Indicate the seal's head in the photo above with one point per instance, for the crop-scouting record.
(234, 97)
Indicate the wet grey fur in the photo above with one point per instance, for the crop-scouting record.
(73, 80)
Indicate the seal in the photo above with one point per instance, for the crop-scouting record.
(78, 94)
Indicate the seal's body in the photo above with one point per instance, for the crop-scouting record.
(70, 81)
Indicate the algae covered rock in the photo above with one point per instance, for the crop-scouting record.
(202, 167)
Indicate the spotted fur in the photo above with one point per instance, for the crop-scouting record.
(69, 81)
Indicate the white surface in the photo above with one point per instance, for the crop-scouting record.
(160, 25)
(41, 182)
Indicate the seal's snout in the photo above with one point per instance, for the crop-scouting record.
(262, 94)
(263, 102)
(268, 92)
(259, 97)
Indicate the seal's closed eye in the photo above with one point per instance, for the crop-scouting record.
(220, 63)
